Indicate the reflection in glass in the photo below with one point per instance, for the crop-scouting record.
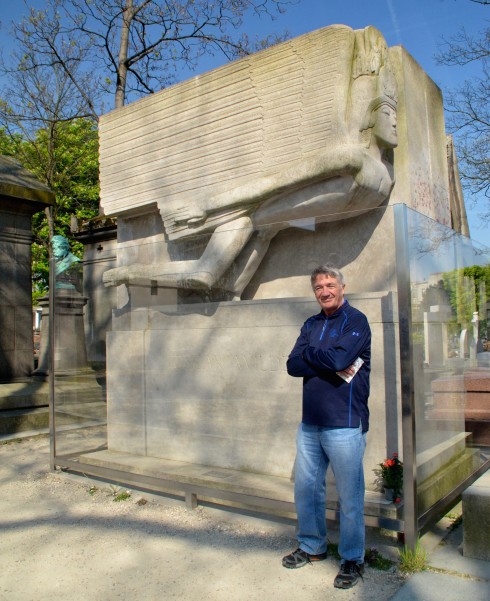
(195, 377)
(449, 276)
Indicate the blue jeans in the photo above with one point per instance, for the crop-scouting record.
(342, 449)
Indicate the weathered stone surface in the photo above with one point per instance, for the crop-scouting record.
(21, 189)
(223, 191)
(70, 353)
(21, 195)
(476, 522)
(245, 151)
(208, 384)
(99, 239)
(421, 168)
(311, 147)
(221, 130)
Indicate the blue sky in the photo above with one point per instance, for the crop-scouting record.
(418, 25)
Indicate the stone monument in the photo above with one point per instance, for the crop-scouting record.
(98, 236)
(21, 195)
(311, 148)
(21, 399)
(229, 189)
(70, 355)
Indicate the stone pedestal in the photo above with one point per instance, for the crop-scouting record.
(16, 335)
(461, 401)
(207, 383)
(435, 335)
(98, 237)
(21, 195)
(476, 523)
(70, 353)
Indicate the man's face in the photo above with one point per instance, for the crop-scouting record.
(329, 293)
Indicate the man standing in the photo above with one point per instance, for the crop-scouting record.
(332, 355)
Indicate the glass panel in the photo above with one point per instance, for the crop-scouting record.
(80, 414)
(196, 376)
(186, 381)
(449, 274)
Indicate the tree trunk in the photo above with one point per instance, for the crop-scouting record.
(49, 217)
(122, 67)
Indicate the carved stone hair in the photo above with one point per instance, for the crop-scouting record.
(373, 106)
(328, 270)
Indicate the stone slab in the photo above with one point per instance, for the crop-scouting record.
(207, 384)
(448, 556)
(226, 485)
(428, 586)
(476, 519)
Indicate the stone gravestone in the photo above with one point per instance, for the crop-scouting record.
(21, 195)
(229, 189)
(70, 355)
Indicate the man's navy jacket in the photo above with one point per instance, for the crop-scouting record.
(326, 345)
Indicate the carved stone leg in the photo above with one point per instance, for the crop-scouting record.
(225, 245)
(250, 259)
(129, 274)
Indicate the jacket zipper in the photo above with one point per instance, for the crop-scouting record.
(324, 327)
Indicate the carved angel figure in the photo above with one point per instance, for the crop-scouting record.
(350, 175)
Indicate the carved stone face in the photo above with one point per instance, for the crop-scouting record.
(384, 129)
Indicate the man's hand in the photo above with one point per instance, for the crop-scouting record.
(349, 372)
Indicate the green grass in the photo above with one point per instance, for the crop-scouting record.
(11, 441)
(456, 520)
(122, 496)
(372, 557)
(333, 550)
(412, 561)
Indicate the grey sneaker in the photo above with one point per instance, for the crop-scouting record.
(349, 574)
(299, 558)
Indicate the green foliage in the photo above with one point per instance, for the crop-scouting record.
(392, 474)
(469, 291)
(7, 144)
(68, 56)
(65, 157)
(11, 441)
(412, 561)
(456, 520)
(122, 496)
(374, 558)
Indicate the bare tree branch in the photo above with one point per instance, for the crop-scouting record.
(468, 109)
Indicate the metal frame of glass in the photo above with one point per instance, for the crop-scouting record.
(410, 519)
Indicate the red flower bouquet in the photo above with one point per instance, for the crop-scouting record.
(392, 474)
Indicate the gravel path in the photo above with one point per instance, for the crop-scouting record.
(62, 539)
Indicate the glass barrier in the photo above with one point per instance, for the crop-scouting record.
(449, 275)
(80, 408)
(170, 362)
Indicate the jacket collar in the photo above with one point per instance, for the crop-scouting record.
(340, 310)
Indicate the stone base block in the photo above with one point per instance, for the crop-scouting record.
(446, 479)
(476, 519)
(207, 383)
